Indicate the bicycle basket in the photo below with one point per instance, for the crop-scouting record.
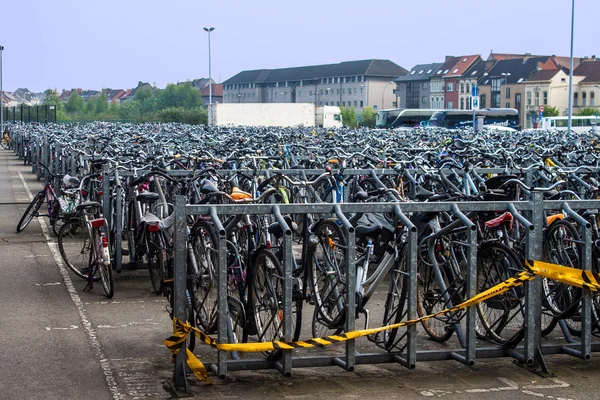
(68, 204)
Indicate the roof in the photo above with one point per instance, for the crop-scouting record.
(375, 68)
(217, 90)
(519, 69)
(589, 69)
(445, 67)
(544, 75)
(478, 68)
(421, 72)
(461, 66)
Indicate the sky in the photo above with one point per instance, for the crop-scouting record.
(95, 44)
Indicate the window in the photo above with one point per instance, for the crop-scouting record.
(545, 98)
(462, 103)
(592, 99)
(584, 99)
(518, 101)
(424, 85)
(412, 95)
(300, 94)
(575, 99)
(507, 105)
(496, 85)
(483, 101)
(361, 103)
(321, 92)
(337, 91)
(507, 94)
(449, 105)
(449, 87)
(343, 91)
(285, 95)
(424, 99)
(355, 90)
(537, 98)
(355, 103)
(343, 104)
(528, 98)
(468, 88)
(310, 93)
(462, 89)
(253, 95)
(468, 104)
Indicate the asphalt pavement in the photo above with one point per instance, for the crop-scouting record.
(58, 342)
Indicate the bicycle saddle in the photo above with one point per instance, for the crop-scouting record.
(423, 194)
(208, 187)
(372, 231)
(71, 181)
(147, 197)
(88, 205)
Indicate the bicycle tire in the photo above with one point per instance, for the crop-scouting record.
(105, 270)
(562, 248)
(236, 329)
(328, 276)
(75, 247)
(31, 211)
(396, 308)
(5, 143)
(502, 317)
(205, 246)
(156, 267)
(267, 297)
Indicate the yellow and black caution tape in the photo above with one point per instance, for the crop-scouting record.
(571, 276)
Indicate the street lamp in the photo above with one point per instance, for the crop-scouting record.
(505, 75)
(570, 111)
(209, 30)
(383, 93)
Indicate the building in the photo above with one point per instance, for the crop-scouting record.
(588, 91)
(543, 88)
(217, 93)
(437, 90)
(412, 89)
(458, 88)
(356, 84)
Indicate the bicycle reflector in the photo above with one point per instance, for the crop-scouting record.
(153, 228)
(97, 223)
(104, 241)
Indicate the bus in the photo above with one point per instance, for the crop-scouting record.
(578, 124)
(456, 119)
(402, 117)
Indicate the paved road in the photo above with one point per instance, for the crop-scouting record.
(59, 342)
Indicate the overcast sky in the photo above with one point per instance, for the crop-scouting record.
(65, 44)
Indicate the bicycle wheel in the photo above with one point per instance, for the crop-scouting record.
(267, 297)
(396, 303)
(502, 317)
(75, 247)
(32, 211)
(328, 275)
(205, 246)
(236, 327)
(156, 267)
(104, 264)
(430, 301)
(5, 143)
(562, 248)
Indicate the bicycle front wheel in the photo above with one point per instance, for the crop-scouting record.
(75, 246)
(396, 308)
(32, 211)
(205, 245)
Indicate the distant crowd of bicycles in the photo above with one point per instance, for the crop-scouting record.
(148, 165)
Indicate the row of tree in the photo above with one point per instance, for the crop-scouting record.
(175, 103)
(550, 111)
(367, 118)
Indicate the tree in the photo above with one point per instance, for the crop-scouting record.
(90, 106)
(588, 111)
(51, 97)
(550, 111)
(368, 118)
(101, 103)
(179, 96)
(75, 104)
(348, 116)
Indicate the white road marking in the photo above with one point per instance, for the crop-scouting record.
(36, 255)
(48, 284)
(71, 327)
(527, 389)
(85, 321)
(127, 325)
(125, 302)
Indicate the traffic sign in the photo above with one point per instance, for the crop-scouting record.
(374, 106)
(541, 109)
(475, 102)
(475, 91)
(358, 118)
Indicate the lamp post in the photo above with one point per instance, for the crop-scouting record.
(505, 75)
(570, 113)
(209, 30)
(383, 93)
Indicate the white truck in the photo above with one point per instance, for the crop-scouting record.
(274, 114)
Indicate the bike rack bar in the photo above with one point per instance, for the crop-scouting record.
(179, 379)
(284, 365)
(349, 361)
(519, 217)
(106, 195)
(221, 293)
(586, 307)
(533, 288)
(412, 248)
(119, 223)
(469, 358)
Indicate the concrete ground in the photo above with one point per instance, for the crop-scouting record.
(59, 342)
